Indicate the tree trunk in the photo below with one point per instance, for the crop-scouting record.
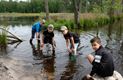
(122, 6)
(77, 4)
(47, 9)
(111, 11)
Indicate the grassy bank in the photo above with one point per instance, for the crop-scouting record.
(87, 20)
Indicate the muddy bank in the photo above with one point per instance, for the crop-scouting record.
(11, 69)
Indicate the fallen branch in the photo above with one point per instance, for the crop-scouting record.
(13, 36)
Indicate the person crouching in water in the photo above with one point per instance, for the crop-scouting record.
(48, 37)
(72, 39)
(102, 62)
(36, 29)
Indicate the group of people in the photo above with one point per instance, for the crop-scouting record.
(102, 62)
(48, 36)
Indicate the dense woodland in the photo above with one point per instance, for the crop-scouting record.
(57, 6)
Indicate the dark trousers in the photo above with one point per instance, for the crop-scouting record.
(33, 35)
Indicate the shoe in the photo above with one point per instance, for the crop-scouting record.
(30, 41)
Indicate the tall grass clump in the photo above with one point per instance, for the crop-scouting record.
(3, 39)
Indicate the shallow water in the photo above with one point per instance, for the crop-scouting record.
(26, 66)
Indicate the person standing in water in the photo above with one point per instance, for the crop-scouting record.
(36, 29)
(72, 39)
(48, 37)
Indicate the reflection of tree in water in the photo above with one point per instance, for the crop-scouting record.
(36, 51)
(118, 58)
(115, 44)
(70, 70)
(48, 67)
(114, 33)
(48, 62)
(109, 30)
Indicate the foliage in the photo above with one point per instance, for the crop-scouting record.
(56, 6)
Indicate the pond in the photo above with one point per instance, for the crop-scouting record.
(24, 65)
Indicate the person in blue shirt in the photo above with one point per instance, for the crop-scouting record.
(36, 29)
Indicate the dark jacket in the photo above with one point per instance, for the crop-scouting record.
(48, 36)
(103, 64)
(74, 35)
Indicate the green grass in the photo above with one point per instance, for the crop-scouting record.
(3, 40)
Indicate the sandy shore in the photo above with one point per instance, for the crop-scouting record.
(4, 73)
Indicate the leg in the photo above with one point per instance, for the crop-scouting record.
(90, 58)
(32, 36)
(75, 49)
(53, 49)
(38, 39)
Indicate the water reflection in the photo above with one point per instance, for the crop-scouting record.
(71, 68)
(36, 50)
(49, 67)
(17, 20)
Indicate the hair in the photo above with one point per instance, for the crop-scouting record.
(95, 39)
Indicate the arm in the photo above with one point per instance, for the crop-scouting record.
(72, 42)
(42, 41)
(67, 43)
(90, 58)
(38, 29)
(53, 43)
(37, 35)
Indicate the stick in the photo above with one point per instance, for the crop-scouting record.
(11, 34)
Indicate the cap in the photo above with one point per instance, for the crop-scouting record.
(63, 28)
(43, 20)
(50, 26)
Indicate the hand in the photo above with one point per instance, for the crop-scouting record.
(88, 76)
(69, 50)
(42, 44)
(54, 46)
(37, 38)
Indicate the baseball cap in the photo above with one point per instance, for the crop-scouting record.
(43, 21)
(63, 28)
(50, 26)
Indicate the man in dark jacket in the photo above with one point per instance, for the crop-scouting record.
(102, 63)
